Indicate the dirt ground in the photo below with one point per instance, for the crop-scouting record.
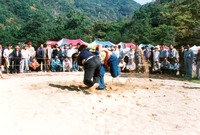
(132, 104)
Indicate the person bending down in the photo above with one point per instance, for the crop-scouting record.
(34, 65)
(91, 64)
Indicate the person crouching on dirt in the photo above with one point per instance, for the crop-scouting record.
(109, 61)
(91, 64)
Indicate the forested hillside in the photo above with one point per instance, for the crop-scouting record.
(162, 22)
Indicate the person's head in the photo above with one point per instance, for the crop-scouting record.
(56, 46)
(29, 43)
(17, 48)
(25, 47)
(41, 45)
(157, 62)
(131, 61)
(70, 46)
(34, 59)
(165, 60)
(78, 45)
(106, 46)
(65, 46)
(188, 47)
(82, 47)
(122, 60)
(125, 45)
(56, 58)
(136, 46)
(9, 46)
(198, 53)
(162, 47)
(66, 59)
(171, 47)
(131, 47)
(156, 49)
(182, 47)
(146, 47)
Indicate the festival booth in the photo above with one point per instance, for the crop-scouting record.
(103, 43)
(165, 47)
(128, 44)
(74, 42)
(143, 45)
(52, 43)
(195, 49)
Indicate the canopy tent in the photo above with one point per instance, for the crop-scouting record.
(165, 47)
(128, 44)
(52, 43)
(143, 45)
(103, 43)
(74, 42)
(195, 49)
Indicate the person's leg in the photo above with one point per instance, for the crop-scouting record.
(26, 64)
(101, 78)
(190, 69)
(198, 69)
(186, 68)
(114, 68)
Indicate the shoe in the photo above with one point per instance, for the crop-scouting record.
(92, 88)
(100, 88)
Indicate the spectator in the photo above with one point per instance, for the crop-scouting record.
(75, 66)
(165, 66)
(1, 56)
(131, 66)
(173, 68)
(16, 59)
(47, 52)
(198, 64)
(34, 65)
(163, 53)
(172, 54)
(156, 55)
(157, 68)
(70, 51)
(67, 65)
(116, 51)
(55, 51)
(188, 59)
(56, 65)
(181, 61)
(122, 65)
(147, 54)
(131, 53)
(31, 50)
(7, 54)
(25, 58)
(40, 56)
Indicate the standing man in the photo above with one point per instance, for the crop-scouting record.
(147, 54)
(25, 59)
(40, 59)
(31, 50)
(17, 59)
(163, 53)
(181, 61)
(7, 54)
(188, 59)
(47, 52)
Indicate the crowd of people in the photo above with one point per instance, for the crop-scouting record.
(56, 58)
(44, 58)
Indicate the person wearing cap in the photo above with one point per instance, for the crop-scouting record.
(16, 59)
(56, 64)
(91, 64)
(7, 54)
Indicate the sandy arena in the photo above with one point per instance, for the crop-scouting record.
(59, 103)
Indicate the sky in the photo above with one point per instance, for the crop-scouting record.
(143, 1)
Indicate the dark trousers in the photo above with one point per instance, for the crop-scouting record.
(92, 70)
(16, 65)
(40, 60)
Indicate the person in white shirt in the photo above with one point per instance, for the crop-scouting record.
(122, 65)
(131, 66)
(69, 52)
(67, 65)
(156, 55)
(25, 58)
(172, 54)
(31, 50)
(116, 51)
(131, 53)
(157, 68)
(7, 54)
